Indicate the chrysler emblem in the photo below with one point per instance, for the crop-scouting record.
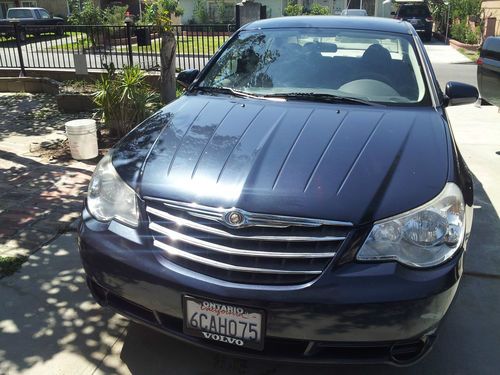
(234, 218)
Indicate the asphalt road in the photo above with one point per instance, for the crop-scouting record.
(462, 72)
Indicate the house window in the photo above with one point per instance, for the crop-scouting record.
(28, 4)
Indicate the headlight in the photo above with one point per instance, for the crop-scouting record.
(423, 237)
(111, 198)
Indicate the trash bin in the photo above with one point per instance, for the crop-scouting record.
(82, 138)
(143, 36)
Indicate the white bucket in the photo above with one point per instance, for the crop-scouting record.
(82, 139)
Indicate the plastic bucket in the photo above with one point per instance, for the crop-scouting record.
(82, 138)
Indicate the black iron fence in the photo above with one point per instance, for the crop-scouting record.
(92, 47)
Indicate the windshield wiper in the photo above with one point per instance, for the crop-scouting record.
(318, 97)
(225, 90)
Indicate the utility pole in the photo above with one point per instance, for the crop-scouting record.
(447, 21)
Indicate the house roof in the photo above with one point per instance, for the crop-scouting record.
(359, 23)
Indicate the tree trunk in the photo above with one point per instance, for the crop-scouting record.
(167, 59)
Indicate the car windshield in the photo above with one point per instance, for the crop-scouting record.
(372, 66)
(414, 11)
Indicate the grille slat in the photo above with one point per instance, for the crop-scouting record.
(196, 258)
(173, 235)
(212, 230)
(280, 251)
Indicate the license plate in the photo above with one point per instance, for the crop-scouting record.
(414, 21)
(221, 322)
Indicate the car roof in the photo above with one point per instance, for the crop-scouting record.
(30, 8)
(357, 23)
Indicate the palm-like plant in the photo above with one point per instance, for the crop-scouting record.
(125, 99)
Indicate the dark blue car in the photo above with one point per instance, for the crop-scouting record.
(304, 200)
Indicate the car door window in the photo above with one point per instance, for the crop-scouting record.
(19, 13)
(44, 14)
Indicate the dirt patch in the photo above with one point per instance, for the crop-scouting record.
(78, 87)
(58, 150)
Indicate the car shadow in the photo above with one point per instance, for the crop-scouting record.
(146, 351)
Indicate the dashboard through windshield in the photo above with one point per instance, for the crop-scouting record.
(371, 66)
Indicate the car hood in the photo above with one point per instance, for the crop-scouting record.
(338, 162)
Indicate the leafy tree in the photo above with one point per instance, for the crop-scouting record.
(89, 15)
(220, 10)
(200, 11)
(160, 13)
(460, 11)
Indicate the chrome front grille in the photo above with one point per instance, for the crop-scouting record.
(262, 249)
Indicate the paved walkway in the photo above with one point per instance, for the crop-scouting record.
(441, 53)
(39, 197)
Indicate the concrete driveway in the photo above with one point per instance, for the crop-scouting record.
(49, 324)
(450, 65)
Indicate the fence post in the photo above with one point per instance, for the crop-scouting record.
(15, 24)
(128, 22)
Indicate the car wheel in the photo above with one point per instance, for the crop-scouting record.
(428, 37)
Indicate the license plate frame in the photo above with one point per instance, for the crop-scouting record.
(252, 314)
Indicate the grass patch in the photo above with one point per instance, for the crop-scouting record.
(192, 45)
(76, 42)
(471, 55)
(185, 45)
(10, 265)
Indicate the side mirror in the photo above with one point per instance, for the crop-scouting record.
(186, 77)
(457, 93)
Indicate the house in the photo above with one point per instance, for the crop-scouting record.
(56, 7)
(491, 17)
(275, 8)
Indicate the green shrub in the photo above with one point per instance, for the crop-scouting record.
(115, 15)
(125, 99)
(458, 31)
(463, 33)
(293, 9)
(318, 10)
(472, 37)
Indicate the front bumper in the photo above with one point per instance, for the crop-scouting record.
(358, 312)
